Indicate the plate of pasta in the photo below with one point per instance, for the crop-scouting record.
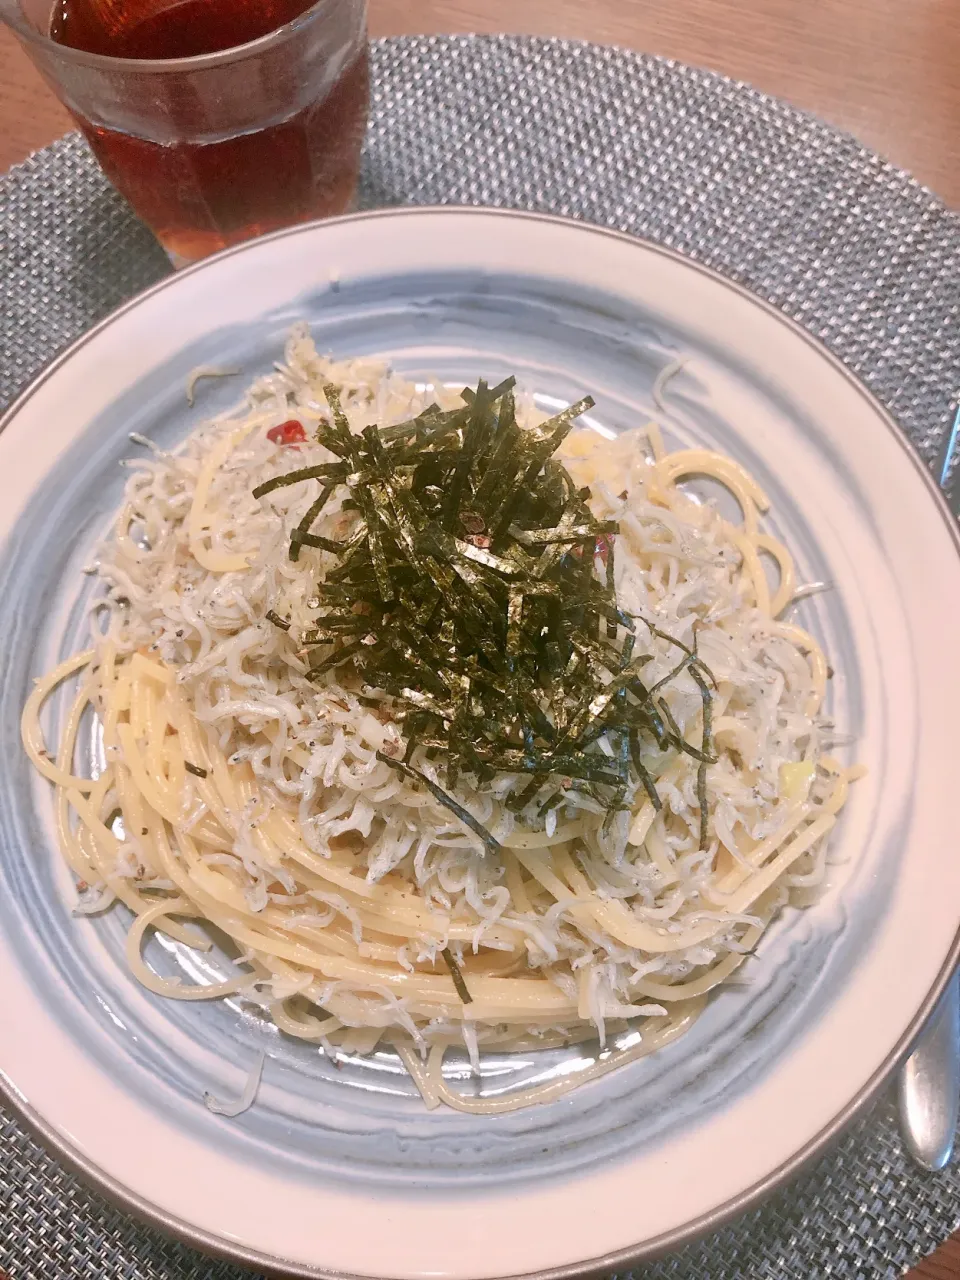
(478, 748)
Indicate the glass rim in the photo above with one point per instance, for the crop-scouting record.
(12, 12)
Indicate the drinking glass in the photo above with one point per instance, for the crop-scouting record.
(215, 148)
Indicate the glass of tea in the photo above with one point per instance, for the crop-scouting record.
(217, 119)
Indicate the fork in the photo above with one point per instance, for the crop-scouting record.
(928, 1091)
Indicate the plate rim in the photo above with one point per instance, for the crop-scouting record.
(155, 1216)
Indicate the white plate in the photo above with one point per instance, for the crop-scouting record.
(346, 1172)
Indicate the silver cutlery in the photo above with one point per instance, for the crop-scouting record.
(929, 1085)
(928, 1089)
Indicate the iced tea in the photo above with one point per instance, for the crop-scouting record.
(228, 147)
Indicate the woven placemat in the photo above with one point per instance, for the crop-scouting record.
(864, 257)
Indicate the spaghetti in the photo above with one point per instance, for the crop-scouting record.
(234, 793)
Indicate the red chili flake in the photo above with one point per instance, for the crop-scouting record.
(603, 548)
(290, 432)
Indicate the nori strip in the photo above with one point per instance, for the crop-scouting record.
(303, 528)
(455, 973)
(324, 470)
(491, 844)
(707, 749)
(642, 772)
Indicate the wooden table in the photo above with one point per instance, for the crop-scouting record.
(886, 70)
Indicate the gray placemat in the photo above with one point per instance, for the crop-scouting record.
(859, 253)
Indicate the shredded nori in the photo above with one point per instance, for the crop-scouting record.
(195, 769)
(476, 591)
(457, 975)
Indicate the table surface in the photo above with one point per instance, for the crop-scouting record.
(885, 70)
